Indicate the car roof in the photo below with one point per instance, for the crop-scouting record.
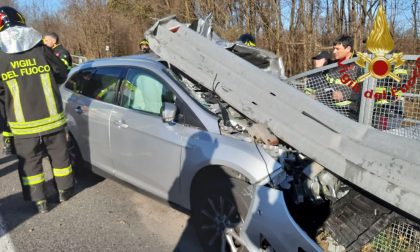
(150, 59)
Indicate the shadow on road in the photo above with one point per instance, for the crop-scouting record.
(7, 165)
(16, 211)
(211, 197)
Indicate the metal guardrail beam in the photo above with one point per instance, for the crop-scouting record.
(358, 153)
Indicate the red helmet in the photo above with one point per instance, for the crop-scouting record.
(10, 17)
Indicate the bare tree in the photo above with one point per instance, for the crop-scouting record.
(414, 7)
(290, 28)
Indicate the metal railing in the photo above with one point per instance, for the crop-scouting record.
(385, 104)
(77, 59)
(399, 236)
(394, 110)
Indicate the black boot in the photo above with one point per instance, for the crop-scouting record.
(64, 195)
(8, 145)
(42, 206)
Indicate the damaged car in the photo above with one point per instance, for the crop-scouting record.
(135, 119)
(198, 134)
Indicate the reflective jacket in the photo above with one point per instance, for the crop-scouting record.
(63, 55)
(334, 76)
(29, 90)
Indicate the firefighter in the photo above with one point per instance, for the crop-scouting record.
(327, 86)
(51, 40)
(144, 46)
(247, 39)
(323, 58)
(314, 82)
(29, 75)
(344, 97)
(389, 110)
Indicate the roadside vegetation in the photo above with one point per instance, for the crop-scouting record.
(293, 29)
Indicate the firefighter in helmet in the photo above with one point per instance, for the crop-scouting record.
(247, 39)
(144, 46)
(34, 110)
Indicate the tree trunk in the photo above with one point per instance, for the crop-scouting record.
(328, 19)
(335, 18)
(415, 30)
(342, 17)
(301, 22)
(292, 18)
(353, 24)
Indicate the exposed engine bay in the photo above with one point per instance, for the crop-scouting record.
(337, 215)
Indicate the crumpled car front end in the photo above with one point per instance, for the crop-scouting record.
(270, 225)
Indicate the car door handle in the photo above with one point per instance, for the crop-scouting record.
(78, 110)
(120, 124)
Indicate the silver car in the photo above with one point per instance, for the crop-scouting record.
(145, 122)
(134, 119)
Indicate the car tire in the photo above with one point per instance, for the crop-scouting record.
(219, 202)
(76, 160)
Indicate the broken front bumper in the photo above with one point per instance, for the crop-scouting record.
(269, 219)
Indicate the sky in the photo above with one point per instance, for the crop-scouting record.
(52, 5)
(404, 17)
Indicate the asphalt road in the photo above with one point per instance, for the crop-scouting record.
(102, 216)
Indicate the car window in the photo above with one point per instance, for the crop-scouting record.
(80, 80)
(144, 91)
(99, 83)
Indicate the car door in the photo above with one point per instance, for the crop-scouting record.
(146, 151)
(89, 111)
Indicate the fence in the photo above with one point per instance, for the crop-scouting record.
(77, 59)
(385, 104)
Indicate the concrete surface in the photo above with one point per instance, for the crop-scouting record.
(102, 216)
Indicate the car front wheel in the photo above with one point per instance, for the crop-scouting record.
(219, 206)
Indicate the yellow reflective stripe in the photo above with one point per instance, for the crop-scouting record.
(332, 80)
(131, 87)
(33, 180)
(35, 130)
(102, 93)
(62, 172)
(7, 134)
(37, 123)
(14, 90)
(400, 71)
(309, 91)
(250, 43)
(49, 96)
(398, 94)
(379, 90)
(328, 78)
(65, 62)
(382, 102)
(343, 103)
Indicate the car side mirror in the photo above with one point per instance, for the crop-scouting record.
(169, 112)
